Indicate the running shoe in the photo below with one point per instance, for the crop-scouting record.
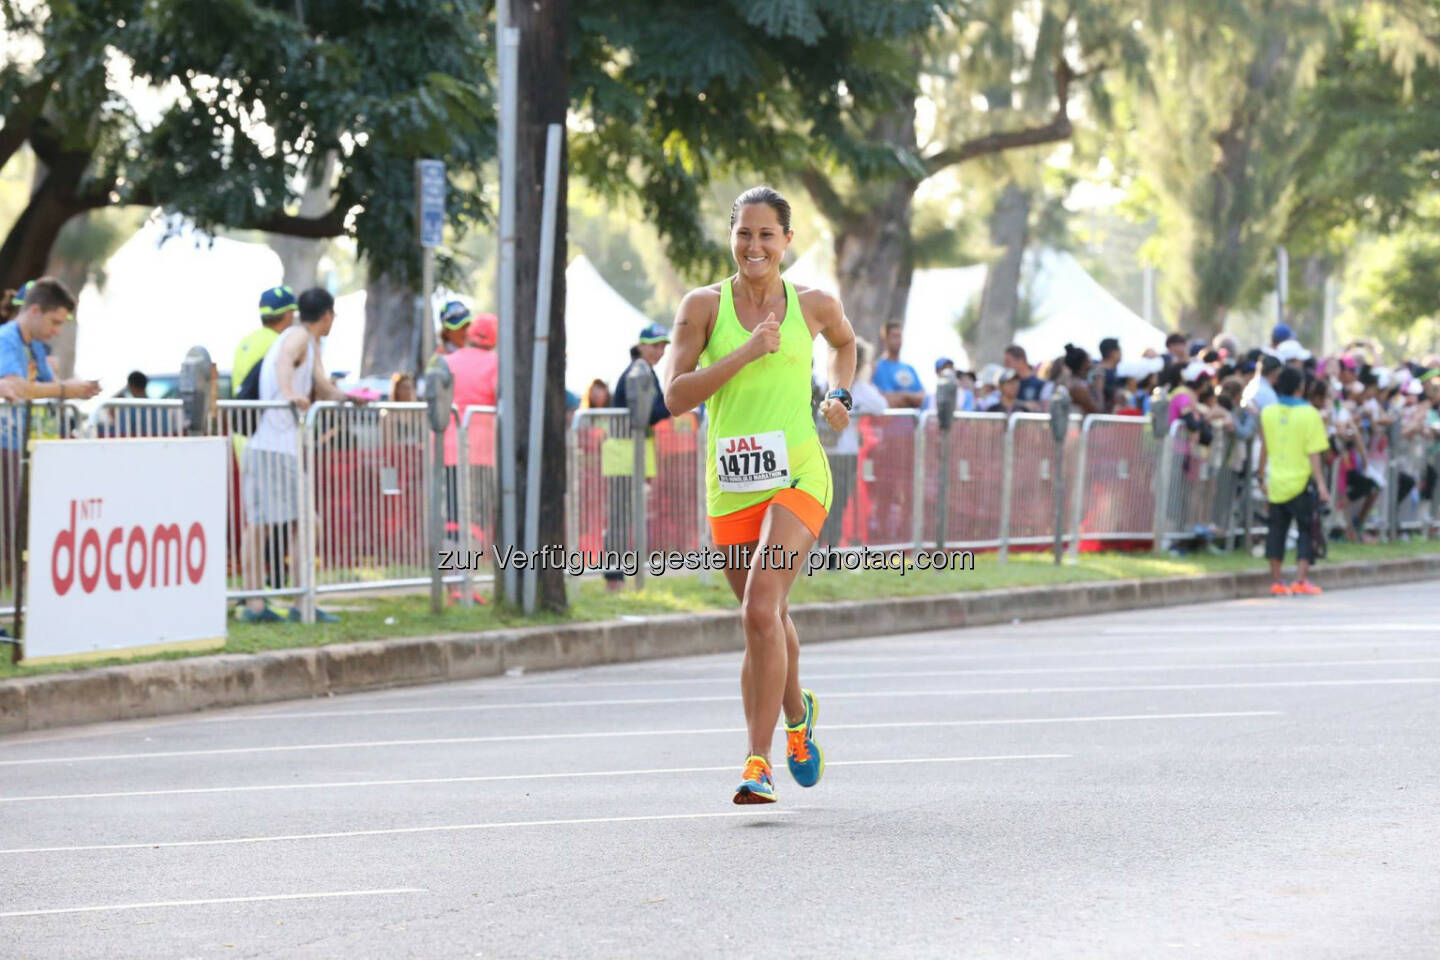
(802, 753)
(265, 614)
(1305, 588)
(758, 785)
(321, 616)
(1278, 589)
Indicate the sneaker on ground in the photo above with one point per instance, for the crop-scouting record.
(1278, 589)
(1305, 588)
(803, 755)
(757, 784)
(321, 616)
(265, 615)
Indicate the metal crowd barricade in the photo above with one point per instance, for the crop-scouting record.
(886, 502)
(479, 498)
(1193, 478)
(1114, 493)
(369, 469)
(265, 496)
(1027, 503)
(675, 515)
(121, 417)
(601, 469)
(977, 477)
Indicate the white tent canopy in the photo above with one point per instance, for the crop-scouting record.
(932, 315)
(600, 328)
(1068, 304)
(159, 301)
(1071, 307)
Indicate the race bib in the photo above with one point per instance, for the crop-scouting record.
(759, 461)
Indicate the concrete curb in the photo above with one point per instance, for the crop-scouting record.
(163, 687)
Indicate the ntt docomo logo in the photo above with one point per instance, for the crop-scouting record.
(119, 557)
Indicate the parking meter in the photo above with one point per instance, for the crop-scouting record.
(439, 393)
(195, 373)
(1059, 429)
(1160, 412)
(639, 385)
(639, 390)
(439, 396)
(946, 393)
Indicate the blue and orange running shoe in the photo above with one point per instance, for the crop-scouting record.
(758, 785)
(802, 753)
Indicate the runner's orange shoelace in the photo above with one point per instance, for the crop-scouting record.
(796, 746)
(755, 768)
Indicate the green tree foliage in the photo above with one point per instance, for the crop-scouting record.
(217, 110)
(1218, 135)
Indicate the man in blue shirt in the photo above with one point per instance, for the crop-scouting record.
(899, 382)
(1032, 388)
(24, 346)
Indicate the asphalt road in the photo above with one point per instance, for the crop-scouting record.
(1250, 779)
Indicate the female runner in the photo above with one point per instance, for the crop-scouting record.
(768, 483)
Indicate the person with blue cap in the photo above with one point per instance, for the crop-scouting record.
(1280, 334)
(649, 347)
(277, 312)
(454, 327)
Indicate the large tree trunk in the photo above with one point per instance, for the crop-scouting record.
(1314, 272)
(301, 258)
(26, 251)
(72, 273)
(544, 82)
(1000, 300)
(875, 260)
(389, 327)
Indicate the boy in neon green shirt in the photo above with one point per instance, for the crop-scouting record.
(1292, 439)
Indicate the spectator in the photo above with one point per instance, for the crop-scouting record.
(454, 328)
(1260, 391)
(943, 364)
(277, 312)
(1110, 357)
(1292, 439)
(1279, 334)
(898, 381)
(1292, 354)
(292, 370)
(1178, 349)
(1077, 362)
(12, 301)
(1032, 389)
(24, 345)
(844, 447)
(475, 367)
(402, 388)
(967, 401)
(650, 348)
(598, 396)
(1006, 398)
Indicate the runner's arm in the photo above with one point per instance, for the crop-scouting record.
(835, 328)
(324, 389)
(291, 356)
(686, 388)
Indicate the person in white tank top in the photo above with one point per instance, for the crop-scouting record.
(291, 371)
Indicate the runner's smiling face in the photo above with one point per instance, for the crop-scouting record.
(758, 242)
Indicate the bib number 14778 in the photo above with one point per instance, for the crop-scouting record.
(758, 461)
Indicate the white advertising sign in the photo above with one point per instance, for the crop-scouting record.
(126, 547)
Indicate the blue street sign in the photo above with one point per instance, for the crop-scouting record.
(430, 194)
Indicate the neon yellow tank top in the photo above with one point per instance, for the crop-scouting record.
(767, 395)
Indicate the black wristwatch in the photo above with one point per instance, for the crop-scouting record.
(841, 394)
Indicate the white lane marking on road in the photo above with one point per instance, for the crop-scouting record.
(398, 831)
(1323, 626)
(590, 735)
(329, 894)
(347, 784)
(1006, 672)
